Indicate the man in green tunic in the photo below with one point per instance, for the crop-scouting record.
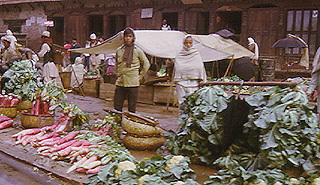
(131, 65)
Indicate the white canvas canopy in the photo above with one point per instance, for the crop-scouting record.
(167, 44)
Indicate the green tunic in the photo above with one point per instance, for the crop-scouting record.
(131, 76)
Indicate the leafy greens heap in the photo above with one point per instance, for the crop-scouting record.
(22, 80)
(156, 170)
(281, 134)
(201, 124)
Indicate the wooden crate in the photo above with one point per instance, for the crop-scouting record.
(91, 87)
(146, 94)
(163, 94)
(106, 91)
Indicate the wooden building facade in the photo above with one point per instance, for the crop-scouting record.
(264, 20)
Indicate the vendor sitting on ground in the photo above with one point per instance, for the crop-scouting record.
(189, 69)
(77, 72)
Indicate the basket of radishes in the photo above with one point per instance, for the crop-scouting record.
(8, 105)
(39, 116)
(29, 120)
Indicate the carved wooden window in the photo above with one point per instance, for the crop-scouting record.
(15, 25)
(303, 23)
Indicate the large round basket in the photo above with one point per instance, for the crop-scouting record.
(10, 111)
(143, 143)
(132, 126)
(36, 121)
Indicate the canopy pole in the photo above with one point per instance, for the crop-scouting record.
(229, 66)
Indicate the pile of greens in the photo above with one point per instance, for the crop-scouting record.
(156, 170)
(288, 128)
(201, 126)
(281, 135)
(21, 80)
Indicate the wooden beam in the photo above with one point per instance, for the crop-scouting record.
(61, 4)
(17, 6)
(5, 7)
(82, 5)
(242, 83)
(32, 7)
(44, 7)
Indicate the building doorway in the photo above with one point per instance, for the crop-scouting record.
(96, 24)
(202, 23)
(172, 19)
(229, 17)
(116, 23)
(57, 31)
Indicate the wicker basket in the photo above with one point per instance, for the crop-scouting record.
(143, 143)
(10, 111)
(36, 121)
(141, 129)
(24, 105)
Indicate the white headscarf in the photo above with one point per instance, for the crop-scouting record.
(256, 48)
(12, 39)
(188, 64)
(251, 40)
(78, 60)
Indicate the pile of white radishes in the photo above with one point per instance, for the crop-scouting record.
(54, 142)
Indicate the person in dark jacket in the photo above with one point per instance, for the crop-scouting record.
(74, 45)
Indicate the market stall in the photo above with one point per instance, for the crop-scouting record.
(166, 45)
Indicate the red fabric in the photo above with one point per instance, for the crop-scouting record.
(67, 46)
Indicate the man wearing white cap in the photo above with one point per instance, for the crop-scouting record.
(94, 60)
(50, 70)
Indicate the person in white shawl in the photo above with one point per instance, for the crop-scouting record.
(315, 78)
(77, 72)
(189, 69)
(253, 46)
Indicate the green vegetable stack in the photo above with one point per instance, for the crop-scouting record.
(279, 138)
(22, 80)
(201, 125)
(159, 170)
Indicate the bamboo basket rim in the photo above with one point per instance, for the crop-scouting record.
(146, 136)
(137, 120)
(41, 115)
(8, 106)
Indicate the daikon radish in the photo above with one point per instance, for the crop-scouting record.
(27, 132)
(93, 170)
(69, 137)
(63, 146)
(77, 164)
(91, 159)
(81, 170)
(6, 124)
(91, 165)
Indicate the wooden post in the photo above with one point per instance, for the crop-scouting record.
(229, 66)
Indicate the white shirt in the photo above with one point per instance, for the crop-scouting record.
(44, 49)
